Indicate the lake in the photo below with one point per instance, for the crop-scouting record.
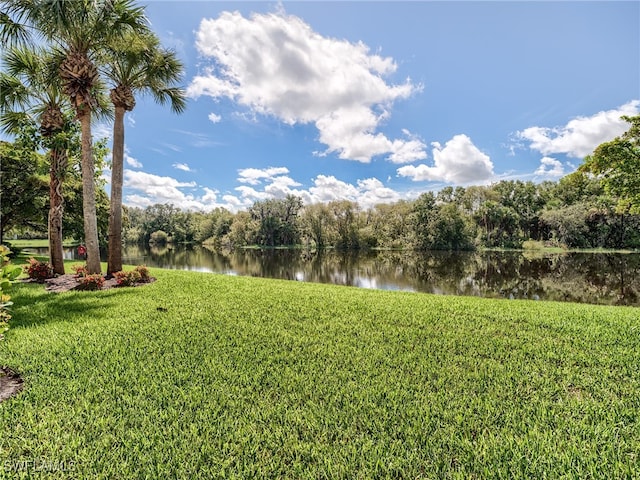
(598, 278)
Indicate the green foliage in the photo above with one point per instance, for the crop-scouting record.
(38, 270)
(532, 245)
(129, 278)
(575, 212)
(159, 237)
(277, 221)
(143, 272)
(617, 164)
(80, 271)
(90, 282)
(8, 273)
(24, 189)
(25, 192)
(277, 379)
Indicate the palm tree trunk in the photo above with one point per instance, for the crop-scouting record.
(89, 196)
(56, 209)
(114, 259)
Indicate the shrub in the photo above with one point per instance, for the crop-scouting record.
(532, 245)
(140, 274)
(90, 282)
(81, 271)
(143, 270)
(8, 273)
(39, 271)
(159, 238)
(127, 279)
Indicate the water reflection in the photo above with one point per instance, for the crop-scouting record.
(577, 277)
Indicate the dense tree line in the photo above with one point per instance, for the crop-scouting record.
(25, 187)
(590, 208)
(575, 212)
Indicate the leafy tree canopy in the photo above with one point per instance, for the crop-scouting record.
(617, 164)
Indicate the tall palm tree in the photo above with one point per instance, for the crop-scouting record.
(135, 64)
(30, 87)
(81, 29)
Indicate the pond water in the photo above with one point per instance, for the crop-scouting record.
(598, 278)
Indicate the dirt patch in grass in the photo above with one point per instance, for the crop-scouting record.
(64, 283)
(10, 383)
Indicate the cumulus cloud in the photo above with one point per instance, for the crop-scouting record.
(150, 189)
(275, 64)
(254, 176)
(550, 167)
(182, 166)
(132, 162)
(325, 188)
(214, 118)
(581, 135)
(328, 188)
(458, 162)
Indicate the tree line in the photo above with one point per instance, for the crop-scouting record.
(597, 206)
(594, 207)
(575, 212)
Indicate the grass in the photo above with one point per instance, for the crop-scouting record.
(38, 243)
(210, 376)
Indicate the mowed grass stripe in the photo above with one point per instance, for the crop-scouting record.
(210, 376)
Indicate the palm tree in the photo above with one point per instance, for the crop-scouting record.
(30, 88)
(134, 64)
(81, 29)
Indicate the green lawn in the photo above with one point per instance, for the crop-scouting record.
(38, 243)
(211, 376)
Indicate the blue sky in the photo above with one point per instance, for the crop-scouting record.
(378, 101)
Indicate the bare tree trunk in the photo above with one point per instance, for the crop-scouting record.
(89, 196)
(114, 258)
(56, 209)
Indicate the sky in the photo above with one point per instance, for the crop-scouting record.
(377, 102)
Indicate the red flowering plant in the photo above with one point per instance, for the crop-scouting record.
(81, 271)
(127, 279)
(38, 271)
(90, 282)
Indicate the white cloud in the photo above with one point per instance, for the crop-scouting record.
(277, 65)
(550, 167)
(151, 189)
(214, 118)
(366, 193)
(102, 131)
(329, 188)
(254, 176)
(458, 162)
(132, 162)
(182, 166)
(580, 136)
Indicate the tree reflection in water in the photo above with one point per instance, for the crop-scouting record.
(600, 278)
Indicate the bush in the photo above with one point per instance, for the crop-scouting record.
(39, 271)
(8, 273)
(90, 282)
(127, 279)
(532, 245)
(143, 270)
(81, 271)
(159, 238)
(140, 274)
